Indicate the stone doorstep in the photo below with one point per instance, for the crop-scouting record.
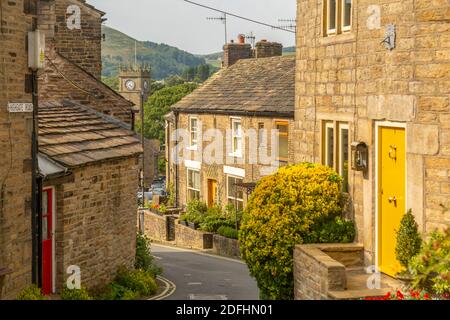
(357, 286)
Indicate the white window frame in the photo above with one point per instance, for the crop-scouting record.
(335, 30)
(238, 153)
(193, 143)
(329, 125)
(279, 134)
(192, 188)
(343, 27)
(232, 197)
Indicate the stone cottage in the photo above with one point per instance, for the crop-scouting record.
(91, 154)
(243, 103)
(372, 102)
(90, 171)
(88, 160)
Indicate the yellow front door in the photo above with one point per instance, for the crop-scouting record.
(212, 193)
(391, 195)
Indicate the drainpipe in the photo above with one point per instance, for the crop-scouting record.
(36, 193)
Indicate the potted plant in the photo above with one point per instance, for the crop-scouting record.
(408, 245)
(183, 220)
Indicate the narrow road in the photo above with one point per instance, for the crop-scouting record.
(204, 277)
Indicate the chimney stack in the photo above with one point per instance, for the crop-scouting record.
(233, 52)
(265, 49)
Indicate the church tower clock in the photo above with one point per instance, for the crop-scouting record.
(134, 82)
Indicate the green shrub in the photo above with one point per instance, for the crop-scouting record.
(75, 294)
(31, 293)
(139, 281)
(144, 260)
(409, 239)
(431, 267)
(115, 291)
(212, 223)
(228, 232)
(280, 214)
(196, 207)
(337, 230)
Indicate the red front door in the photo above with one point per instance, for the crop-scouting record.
(47, 241)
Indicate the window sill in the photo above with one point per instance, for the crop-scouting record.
(192, 148)
(235, 155)
(348, 36)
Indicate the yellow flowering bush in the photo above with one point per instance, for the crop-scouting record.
(282, 212)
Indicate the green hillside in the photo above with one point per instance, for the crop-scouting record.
(165, 61)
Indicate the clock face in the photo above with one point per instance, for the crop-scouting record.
(146, 85)
(130, 84)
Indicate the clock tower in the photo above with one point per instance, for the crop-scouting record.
(135, 81)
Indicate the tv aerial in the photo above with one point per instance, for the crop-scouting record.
(223, 18)
(287, 24)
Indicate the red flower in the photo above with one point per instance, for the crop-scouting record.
(426, 296)
(400, 295)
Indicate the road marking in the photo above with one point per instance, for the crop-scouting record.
(158, 258)
(188, 275)
(168, 291)
(194, 284)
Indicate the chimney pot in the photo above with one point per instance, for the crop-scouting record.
(241, 38)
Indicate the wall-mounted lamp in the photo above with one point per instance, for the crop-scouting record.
(360, 156)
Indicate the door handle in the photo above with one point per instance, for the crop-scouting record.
(393, 199)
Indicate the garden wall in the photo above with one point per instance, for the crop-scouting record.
(167, 230)
(319, 269)
(193, 239)
(223, 246)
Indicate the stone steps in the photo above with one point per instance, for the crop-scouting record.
(358, 294)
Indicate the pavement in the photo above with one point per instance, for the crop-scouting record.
(199, 276)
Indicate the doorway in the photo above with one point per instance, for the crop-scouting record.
(48, 247)
(212, 193)
(391, 192)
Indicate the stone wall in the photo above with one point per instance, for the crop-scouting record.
(96, 220)
(253, 172)
(156, 226)
(80, 44)
(189, 238)
(15, 152)
(352, 78)
(319, 269)
(223, 246)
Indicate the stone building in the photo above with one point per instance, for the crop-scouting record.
(88, 160)
(375, 76)
(244, 102)
(15, 150)
(90, 169)
(89, 154)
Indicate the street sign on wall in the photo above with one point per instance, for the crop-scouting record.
(20, 107)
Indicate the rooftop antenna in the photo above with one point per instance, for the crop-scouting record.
(288, 25)
(238, 16)
(223, 18)
(251, 38)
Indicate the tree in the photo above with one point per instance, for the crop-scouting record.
(158, 105)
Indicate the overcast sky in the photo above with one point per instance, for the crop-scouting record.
(185, 26)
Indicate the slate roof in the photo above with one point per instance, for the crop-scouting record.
(74, 135)
(264, 86)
